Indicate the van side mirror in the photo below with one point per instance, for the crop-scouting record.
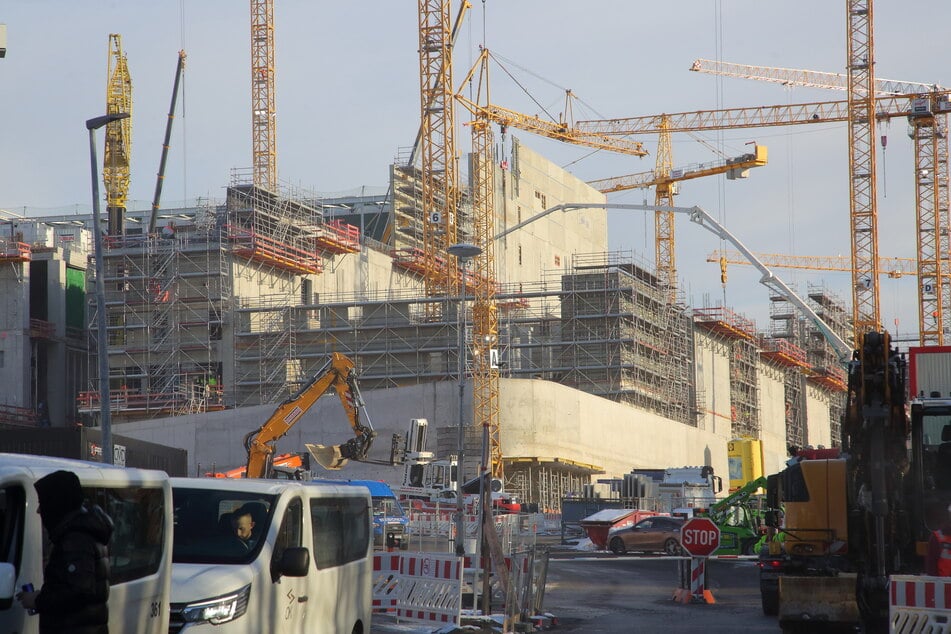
(295, 562)
(8, 581)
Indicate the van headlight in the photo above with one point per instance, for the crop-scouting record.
(219, 609)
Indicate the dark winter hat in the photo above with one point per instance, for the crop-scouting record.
(60, 494)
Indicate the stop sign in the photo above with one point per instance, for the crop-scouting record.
(700, 536)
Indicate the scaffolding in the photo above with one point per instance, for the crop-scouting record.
(822, 368)
(622, 339)
(739, 334)
(786, 327)
(166, 296)
(547, 481)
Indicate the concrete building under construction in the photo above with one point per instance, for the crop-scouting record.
(231, 305)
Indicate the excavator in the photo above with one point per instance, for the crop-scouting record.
(337, 374)
(845, 525)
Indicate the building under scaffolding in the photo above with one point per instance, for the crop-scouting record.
(237, 304)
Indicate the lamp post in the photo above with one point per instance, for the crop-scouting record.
(462, 251)
(102, 350)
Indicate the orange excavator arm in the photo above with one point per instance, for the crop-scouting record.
(338, 374)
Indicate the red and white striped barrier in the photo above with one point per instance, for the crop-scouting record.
(430, 588)
(919, 604)
(386, 571)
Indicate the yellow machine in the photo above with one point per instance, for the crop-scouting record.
(338, 373)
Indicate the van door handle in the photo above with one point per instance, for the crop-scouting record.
(302, 599)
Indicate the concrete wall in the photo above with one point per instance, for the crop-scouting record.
(15, 334)
(772, 403)
(533, 185)
(539, 418)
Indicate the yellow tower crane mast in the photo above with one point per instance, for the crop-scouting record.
(263, 123)
(118, 144)
(438, 162)
(863, 201)
(485, 327)
(929, 127)
(484, 284)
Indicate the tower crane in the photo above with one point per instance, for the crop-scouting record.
(763, 116)
(438, 167)
(263, 123)
(664, 178)
(929, 134)
(118, 144)
(485, 327)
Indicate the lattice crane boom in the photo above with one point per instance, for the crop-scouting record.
(736, 165)
(263, 122)
(893, 267)
(559, 131)
(805, 78)
(118, 144)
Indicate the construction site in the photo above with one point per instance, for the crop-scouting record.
(578, 363)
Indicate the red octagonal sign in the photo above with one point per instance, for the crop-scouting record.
(700, 537)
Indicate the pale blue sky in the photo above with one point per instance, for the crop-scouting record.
(348, 101)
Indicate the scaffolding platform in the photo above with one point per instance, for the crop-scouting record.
(11, 251)
(783, 352)
(336, 236)
(724, 321)
(253, 246)
(830, 378)
(128, 403)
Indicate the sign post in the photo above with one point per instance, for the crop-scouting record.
(699, 537)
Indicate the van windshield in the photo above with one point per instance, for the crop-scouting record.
(219, 527)
(387, 507)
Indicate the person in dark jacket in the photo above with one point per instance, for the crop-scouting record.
(73, 599)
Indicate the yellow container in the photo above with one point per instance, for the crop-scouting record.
(745, 456)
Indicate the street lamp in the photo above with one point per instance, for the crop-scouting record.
(105, 421)
(462, 251)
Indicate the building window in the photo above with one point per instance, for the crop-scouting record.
(520, 255)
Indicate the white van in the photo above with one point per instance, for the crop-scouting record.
(306, 567)
(139, 501)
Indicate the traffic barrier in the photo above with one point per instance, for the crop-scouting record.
(386, 570)
(919, 604)
(430, 588)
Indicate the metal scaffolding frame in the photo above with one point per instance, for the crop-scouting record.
(166, 297)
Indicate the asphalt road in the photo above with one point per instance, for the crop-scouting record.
(635, 594)
(599, 592)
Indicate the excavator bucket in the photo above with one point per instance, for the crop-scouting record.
(330, 458)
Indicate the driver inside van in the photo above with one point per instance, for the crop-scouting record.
(243, 524)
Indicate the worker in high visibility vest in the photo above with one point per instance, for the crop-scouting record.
(938, 561)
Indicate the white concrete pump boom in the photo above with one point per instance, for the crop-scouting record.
(699, 216)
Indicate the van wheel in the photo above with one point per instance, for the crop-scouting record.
(357, 629)
(617, 546)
